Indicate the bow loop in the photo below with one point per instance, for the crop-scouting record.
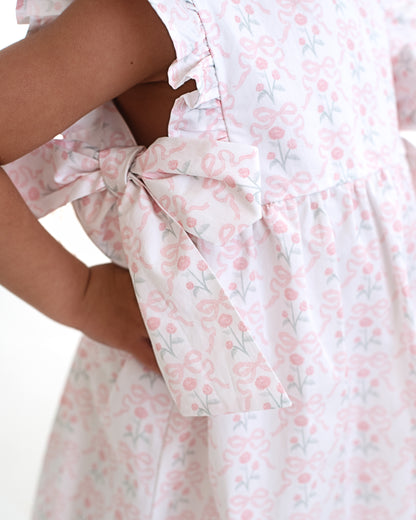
(182, 175)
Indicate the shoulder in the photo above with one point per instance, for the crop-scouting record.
(94, 51)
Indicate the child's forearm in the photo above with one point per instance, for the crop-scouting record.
(33, 265)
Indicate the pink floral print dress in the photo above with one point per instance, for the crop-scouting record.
(271, 241)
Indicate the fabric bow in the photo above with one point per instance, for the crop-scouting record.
(168, 197)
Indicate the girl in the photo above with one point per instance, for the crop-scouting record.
(266, 213)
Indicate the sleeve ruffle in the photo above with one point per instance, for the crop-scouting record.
(39, 12)
(194, 61)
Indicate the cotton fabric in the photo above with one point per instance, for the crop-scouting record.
(301, 245)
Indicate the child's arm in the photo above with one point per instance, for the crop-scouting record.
(96, 50)
(99, 301)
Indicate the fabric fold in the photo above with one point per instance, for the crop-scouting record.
(163, 198)
(206, 353)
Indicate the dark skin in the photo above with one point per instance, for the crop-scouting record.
(146, 108)
(96, 51)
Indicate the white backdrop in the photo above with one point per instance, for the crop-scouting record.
(35, 355)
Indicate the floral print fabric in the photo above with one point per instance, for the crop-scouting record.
(296, 116)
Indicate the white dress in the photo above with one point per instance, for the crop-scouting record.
(271, 242)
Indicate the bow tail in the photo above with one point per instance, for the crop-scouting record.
(207, 357)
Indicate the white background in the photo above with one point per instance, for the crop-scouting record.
(35, 355)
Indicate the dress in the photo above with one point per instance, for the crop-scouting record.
(271, 242)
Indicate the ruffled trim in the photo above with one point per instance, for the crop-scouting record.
(38, 12)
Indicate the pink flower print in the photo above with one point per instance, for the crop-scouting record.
(331, 249)
(247, 515)
(276, 133)
(302, 41)
(136, 432)
(367, 336)
(301, 377)
(189, 383)
(240, 264)
(229, 181)
(34, 193)
(270, 85)
(225, 320)
(337, 153)
(191, 222)
(207, 389)
(275, 74)
(170, 328)
(366, 322)
(363, 372)
(301, 421)
(301, 19)
(294, 316)
(244, 172)
(202, 265)
(304, 478)
(245, 20)
(350, 44)
(291, 294)
(322, 85)
(245, 457)
(190, 285)
(262, 382)
(140, 412)
(242, 326)
(363, 426)
(173, 165)
(368, 268)
(315, 30)
(261, 63)
(280, 227)
(183, 263)
(248, 473)
(305, 439)
(153, 323)
(296, 359)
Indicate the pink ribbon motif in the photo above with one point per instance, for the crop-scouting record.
(168, 197)
(171, 176)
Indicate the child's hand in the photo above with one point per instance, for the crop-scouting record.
(109, 313)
